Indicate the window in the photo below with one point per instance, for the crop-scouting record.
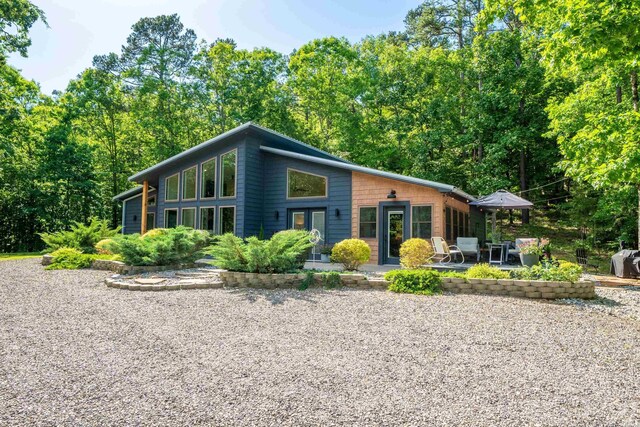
(207, 219)
(455, 223)
(461, 224)
(421, 222)
(228, 174)
(467, 231)
(151, 201)
(447, 224)
(301, 184)
(227, 219)
(170, 218)
(189, 217)
(189, 183)
(318, 222)
(151, 220)
(368, 222)
(208, 179)
(297, 220)
(171, 188)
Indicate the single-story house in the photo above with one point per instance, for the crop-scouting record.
(252, 180)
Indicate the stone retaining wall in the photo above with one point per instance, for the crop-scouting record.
(537, 289)
(294, 280)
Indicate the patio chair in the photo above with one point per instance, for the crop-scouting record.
(515, 252)
(583, 260)
(444, 251)
(469, 246)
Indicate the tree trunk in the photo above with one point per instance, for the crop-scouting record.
(523, 182)
(618, 94)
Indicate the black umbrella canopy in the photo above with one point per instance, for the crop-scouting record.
(502, 199)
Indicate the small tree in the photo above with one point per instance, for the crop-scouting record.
(351, 253)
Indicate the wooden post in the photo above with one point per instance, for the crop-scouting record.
(145, 194)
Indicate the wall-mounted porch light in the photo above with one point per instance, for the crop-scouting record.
(277, 215)
(392, 194)
(338, 213)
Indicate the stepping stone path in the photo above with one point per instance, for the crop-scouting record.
(201, 278)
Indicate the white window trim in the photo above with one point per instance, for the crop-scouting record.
(215, 177)
(154, 220)
(220, 218)
(377, 221)
(411, 217)
(182, 188)
(166, 188)
(214, 218)
(326, 186)
(235, 183)
(165, 216)
(195, 216)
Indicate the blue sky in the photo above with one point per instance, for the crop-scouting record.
(80, 29)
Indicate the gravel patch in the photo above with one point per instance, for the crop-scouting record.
(621, 302)
(74, 352)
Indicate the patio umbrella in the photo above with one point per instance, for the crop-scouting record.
(501, 199)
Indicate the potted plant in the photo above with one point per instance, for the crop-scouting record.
(530, 253)
(325, 253)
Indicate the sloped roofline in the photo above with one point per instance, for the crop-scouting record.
(221, 137)
(130, 193)
(443, 188)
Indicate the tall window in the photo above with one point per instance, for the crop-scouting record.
(302, 184)
(447, 224)
(151, 220)
(189, 183)
(467, 231)
(171, 188)
(208, 179)
(455, 223)
(368, 222)
(208, 219)
(227, 219)
(461, 224)
(421, 222)
(170, 218)
(189, 217)
(228, 174)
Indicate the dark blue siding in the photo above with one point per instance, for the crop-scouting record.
(133, 208)
(275, 196)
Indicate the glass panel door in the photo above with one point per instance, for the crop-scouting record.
(317, 222)
(297, 220)
(395, 230)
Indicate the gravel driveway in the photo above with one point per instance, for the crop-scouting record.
(74, 352)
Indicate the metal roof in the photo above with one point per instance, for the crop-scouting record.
(223, 136)
(443, 188)
(131, 193)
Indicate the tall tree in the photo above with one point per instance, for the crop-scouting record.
(16, 19)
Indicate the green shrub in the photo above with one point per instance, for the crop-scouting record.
(486, 271)
(422, 282)
(453, 274)
(331, 279)
(173, 246)
(307, 281)
(562, 271)
(351, 253)
(79, 236)
(105, 247)
(69, 259)
(415, 253)
(284, 252)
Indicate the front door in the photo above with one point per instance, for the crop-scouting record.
(394, 233)
(309, 219)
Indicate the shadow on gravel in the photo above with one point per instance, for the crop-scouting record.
(599, 301)
(280, 296)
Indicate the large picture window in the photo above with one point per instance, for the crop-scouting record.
(227, 219)
(421, 222)
(170, 218)
(208, 219)
(189, 217)
(368, 222)
(228, 174)
(208, 179)
(447, 224)
(172, 184)
(189, 183)
(302, 184)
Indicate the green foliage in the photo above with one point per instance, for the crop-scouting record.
(174, 246)
(422, 282)
(453, 274)
(563, 271)
(351, 253)
(415, 253)
(69, 259)
(486, 271)
(16, 18)
(307, 282)
(283, 252)
(331, 279)
(80, 236)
